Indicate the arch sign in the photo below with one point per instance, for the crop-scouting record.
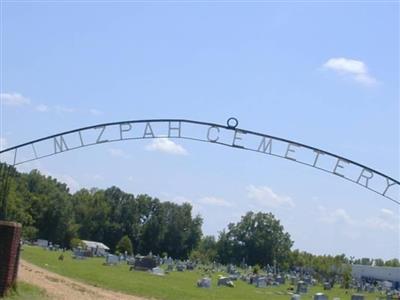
(228, 135)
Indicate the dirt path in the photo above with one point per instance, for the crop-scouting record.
(60, 287)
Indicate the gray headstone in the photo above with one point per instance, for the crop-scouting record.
(145, 263)
(158, 271)
(327, 286)
(261, 282)
(190, 266)
(295, 297)
(280, 279)
(112, 259)
(320, 296)
(180, 267)
(302, 288)
(204, 282)
(225, 281)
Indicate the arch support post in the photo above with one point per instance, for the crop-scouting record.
(10, 237)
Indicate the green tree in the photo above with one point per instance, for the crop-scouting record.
(29, 233)
(259, 238)
(125, 244)
(182, 232)
(75, 243)
(379, 262)
(256, 269)
(346, 276)
(366, 261)
(393, 263)
(206, 251)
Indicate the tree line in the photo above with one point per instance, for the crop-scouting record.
(46, 209)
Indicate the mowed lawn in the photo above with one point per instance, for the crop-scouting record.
(26, 291)
(173, 286)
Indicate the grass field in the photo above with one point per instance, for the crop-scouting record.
(26, 292)
(173, 286)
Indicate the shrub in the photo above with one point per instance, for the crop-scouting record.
(125, 244)
(75, 243)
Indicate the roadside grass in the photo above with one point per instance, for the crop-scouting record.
(173, 286)
(26, 291)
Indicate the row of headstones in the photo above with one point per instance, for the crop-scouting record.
(295, 278)
(205, 282)
(78, 253)
(54, 247)
(263, 280)
(231, 269)
(322, 296)
(258, 281)
(225, 281)
(363, 286)
(131, 260)
(150, 262)
(180, 267)
(367, 288)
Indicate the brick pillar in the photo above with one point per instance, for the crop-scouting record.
(10, 236)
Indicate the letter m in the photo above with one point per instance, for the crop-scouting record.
(59, 144)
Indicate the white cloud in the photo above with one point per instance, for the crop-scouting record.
(71, 182)
(380, 223)
(197, 208)
(95, 112)
(3, 143)
(6, 157)
(42, 108)
(339, 215)
(215, 201)
(264, 195)
(97, 177)
(181, 200)
(63, 109)
(346, 65)
(167, 146)
(355, 69)
(386, 211)
(385, 220)
(93, 177)
(131, 179)
(118, 153)
(13, 99)
(16, 99)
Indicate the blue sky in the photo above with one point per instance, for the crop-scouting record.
(324, 74)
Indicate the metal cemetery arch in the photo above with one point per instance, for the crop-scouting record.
(227, 135)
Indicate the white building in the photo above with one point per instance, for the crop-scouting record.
(379, 273)
(97, 248)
